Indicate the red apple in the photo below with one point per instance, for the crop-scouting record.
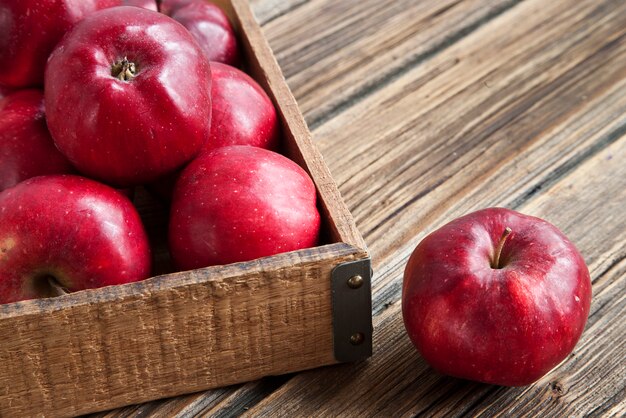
(240, 203)
(29, 30)
(128, 96)
(209, 25)
(26, 147)
(243, 114)
(70, 231)
(146, 4)
(496, 296)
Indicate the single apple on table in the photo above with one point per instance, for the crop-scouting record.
(240, 203)
(30, 29)
(208, 24)
(128, 96)
(496, 296)
(26, 147)
(70, 232)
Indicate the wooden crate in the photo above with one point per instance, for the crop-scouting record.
(185, 332)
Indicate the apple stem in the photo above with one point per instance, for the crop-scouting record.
(496, 258)
(55, 288)
(124, 70)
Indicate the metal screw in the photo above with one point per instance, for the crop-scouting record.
(357, 338)
(355, 282)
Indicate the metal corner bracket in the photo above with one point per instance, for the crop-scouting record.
(351, 294)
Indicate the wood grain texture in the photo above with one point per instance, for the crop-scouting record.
(422, 119)
(448, 125)
(345, 50)
(169, 335)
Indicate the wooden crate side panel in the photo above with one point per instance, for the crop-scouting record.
(169, 335)
(262, 65)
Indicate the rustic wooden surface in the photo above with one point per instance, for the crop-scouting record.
(267, 316)
(426, 110)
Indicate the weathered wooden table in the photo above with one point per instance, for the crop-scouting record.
(426, 110)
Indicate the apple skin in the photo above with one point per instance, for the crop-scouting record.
(81, 232)
(242, 114)
(26, 147)
(29, 31)
(506, 326)
(209, 25)
(128, 132)
(240, 203)
(146, 4)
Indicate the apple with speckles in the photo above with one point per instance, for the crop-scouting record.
(241, 203)
(26, 147)
(128, 96)
(68, 232)
(496, 297)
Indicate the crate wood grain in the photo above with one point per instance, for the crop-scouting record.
(184, 332)
(458, 105)
(169, 335)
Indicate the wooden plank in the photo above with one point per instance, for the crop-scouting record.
(184, 405)
(525, 175)
(169, 335)
(245, 397)
(334, 53)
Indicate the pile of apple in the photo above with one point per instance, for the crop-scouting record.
(101, 97)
